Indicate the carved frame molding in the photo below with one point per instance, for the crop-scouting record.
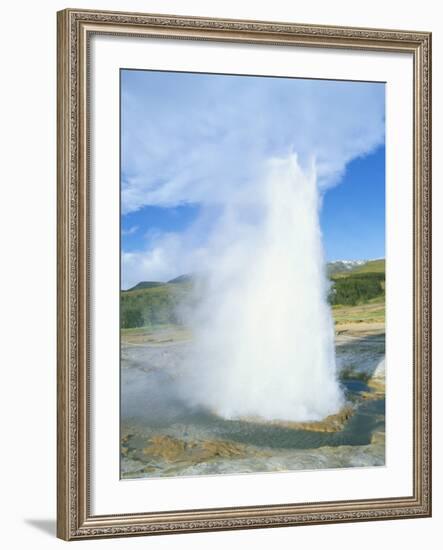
(75, 27)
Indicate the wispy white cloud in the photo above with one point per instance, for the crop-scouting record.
(164, 255)
(207, 140)
(130, 231)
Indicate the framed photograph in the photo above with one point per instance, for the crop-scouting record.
(244, 288)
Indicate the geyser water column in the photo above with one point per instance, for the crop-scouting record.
(264, 336)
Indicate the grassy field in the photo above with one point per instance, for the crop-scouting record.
(373, 266)
(371, 312)
(155, 335)
(357, 318)
(150, 308)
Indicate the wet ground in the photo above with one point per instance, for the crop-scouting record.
(162, 436)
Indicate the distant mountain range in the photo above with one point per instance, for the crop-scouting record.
(339, 266)
(181, 279)
(356, 266)
(333, 268)
(153, 284)
(343, 266)
(152, 303)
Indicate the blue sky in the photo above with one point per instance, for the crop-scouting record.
(196, 145)
(353, 213)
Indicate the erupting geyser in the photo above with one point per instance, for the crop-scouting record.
(264, 336)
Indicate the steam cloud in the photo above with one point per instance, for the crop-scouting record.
(263, 332)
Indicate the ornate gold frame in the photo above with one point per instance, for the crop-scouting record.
(74, 519)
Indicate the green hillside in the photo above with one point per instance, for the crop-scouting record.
(340, 269)
(151, 304)
(144, 284)
(358, 285)
(373, 266)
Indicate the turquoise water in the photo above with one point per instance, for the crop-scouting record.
(156, 409)
(357, 431)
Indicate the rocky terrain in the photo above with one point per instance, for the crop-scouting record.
(161, 435)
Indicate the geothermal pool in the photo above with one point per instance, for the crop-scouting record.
(261, 385)
(162, 434)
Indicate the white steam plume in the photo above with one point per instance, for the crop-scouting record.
(264, 337)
